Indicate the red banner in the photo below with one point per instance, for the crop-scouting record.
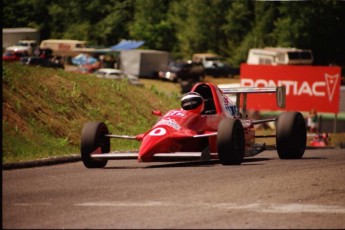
(307, 87)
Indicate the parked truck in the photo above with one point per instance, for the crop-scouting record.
(214, 66)
(23, 46)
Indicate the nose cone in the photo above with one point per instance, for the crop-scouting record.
(155, 141)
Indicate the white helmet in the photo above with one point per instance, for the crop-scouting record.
(193, 102)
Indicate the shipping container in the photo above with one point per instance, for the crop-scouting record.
(144, 63)
(12, 36)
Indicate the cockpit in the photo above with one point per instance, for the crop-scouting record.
(205, 91)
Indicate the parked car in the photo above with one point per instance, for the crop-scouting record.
(86, 63)
(117, 75)
(89, 68)
(220, 69)
(214, 66)
(45, 62)
(109, 73)
(44, 53)
(14, 55)
(182, 71)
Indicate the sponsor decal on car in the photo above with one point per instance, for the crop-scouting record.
(176, 113)
(158, 132)
(230, 106)
(169, 122)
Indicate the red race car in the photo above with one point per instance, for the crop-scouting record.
(208, 126)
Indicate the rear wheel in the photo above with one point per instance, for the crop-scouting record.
(93, 140)
(291, 135)
(230, 142)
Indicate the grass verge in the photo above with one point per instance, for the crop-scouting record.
(44, 110)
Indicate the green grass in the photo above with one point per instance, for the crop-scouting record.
(44, 110)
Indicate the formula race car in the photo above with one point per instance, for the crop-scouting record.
(208, 126)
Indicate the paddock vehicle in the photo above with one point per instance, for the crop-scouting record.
(14, 55)
(212, 127)
(182, 71)
(214, 65)
(279, 56)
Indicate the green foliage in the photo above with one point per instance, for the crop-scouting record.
(228, 28)
(151, 25)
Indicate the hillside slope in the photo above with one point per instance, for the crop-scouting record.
(44, 110)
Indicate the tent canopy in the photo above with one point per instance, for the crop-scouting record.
(127, 45)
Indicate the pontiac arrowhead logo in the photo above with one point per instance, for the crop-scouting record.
(331, 83)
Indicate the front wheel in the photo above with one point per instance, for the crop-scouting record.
(230, 142)
(93, 140)
(291, 135)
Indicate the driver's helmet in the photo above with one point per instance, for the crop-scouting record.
(193, 102)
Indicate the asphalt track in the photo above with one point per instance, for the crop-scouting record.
(263, 192)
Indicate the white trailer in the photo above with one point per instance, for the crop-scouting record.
(12, 36)
(279, 56)
(143, 62)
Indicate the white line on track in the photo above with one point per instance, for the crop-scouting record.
(254, 207)
(33, 204)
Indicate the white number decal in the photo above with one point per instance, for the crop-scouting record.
(158, 132)
(176, 113)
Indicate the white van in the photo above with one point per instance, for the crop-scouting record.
(279, 56)
(63, 47)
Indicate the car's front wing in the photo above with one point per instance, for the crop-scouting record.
(157, 156)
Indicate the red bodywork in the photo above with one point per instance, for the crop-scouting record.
(176, 130)
(89, 68)
(196, 133)
(319, 140)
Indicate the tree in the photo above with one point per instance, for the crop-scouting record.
(249, 25)
(317, 25)
(198, 25)
(291, 28)
(239, 21)
(114, 24)
(151, 25)
(228, 28)
(17, 13)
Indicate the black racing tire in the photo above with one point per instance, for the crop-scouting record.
(230, 142)
(93, 137)
(291, 135)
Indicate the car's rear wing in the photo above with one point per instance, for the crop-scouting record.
(280, 92)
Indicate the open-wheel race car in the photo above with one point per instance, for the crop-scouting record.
(207, 126)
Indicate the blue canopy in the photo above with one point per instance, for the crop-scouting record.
(127, 45)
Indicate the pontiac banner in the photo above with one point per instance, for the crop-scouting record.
(307, 87)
